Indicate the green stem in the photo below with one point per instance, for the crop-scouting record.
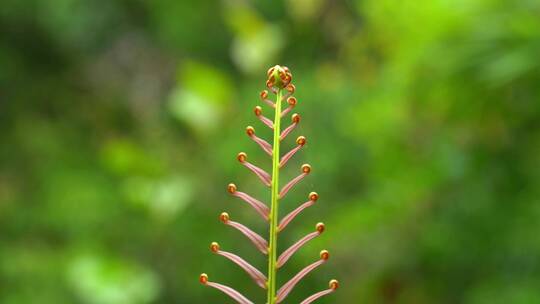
(272, 250)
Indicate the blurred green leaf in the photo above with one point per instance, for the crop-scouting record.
(99, 280)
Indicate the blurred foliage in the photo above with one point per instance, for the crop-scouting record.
(121, 120)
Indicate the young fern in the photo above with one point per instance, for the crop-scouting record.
(279, 83)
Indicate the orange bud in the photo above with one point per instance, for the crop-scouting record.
(306, 168)
(214, 247)
(292, 101)
(203, 278)
(286, 69)
(264, 94)
(270, 71)
(325, 255)
(320, 227)
(287, 79)
(283, 75)
(290, 88)
(250, 130)
(334, 284)
(231, 188)
(224, 217)
(301, 140)
(295, 118)
(242, 157)
(257, 111)
(314, 196)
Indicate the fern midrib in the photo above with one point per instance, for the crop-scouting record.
(272, 250)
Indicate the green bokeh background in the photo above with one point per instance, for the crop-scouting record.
(120, 122)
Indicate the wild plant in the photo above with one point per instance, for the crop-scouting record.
(279, 83)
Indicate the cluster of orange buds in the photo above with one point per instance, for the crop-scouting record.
(278, 77)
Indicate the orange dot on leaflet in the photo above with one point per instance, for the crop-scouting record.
(325, 255)
(242, 157)
(224, 217)
(306, 168)
(334, 284)
(320, 227)
(292, 101)
(203, 278)
(257, 111)
(214, 247)
(250, 130)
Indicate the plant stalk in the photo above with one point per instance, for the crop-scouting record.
(272, 250)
